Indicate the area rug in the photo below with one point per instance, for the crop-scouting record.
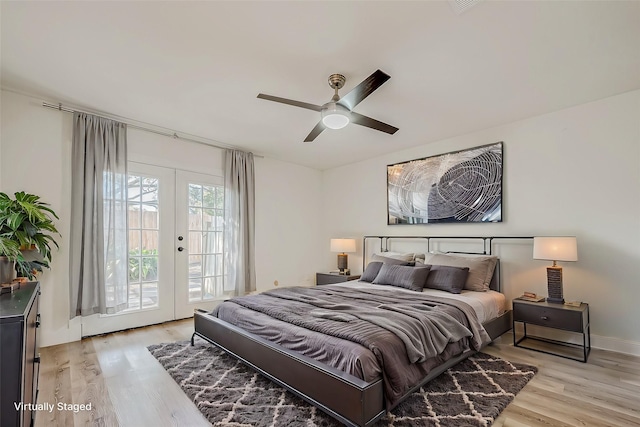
(472, 393)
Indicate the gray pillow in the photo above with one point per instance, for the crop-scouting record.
(397, 255)
(370, 273)
(386, 260)
(446, 278)
(403, 276)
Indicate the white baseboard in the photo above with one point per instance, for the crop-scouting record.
(615, 344)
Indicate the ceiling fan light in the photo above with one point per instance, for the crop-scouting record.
(335, 116)
(335, 121)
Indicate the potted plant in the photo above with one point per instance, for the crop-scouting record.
(27, 222)
(9, 252)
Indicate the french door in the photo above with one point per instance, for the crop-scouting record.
(199, 245)
(175, 260)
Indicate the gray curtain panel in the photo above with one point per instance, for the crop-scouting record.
(98, 247)
(239, 222)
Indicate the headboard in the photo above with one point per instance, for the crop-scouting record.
(485, 244)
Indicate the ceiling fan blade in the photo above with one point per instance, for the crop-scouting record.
(315, 132)
(364, 89)
(361, 120)
(291, 102)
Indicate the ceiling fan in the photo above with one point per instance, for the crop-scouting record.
(338, 112)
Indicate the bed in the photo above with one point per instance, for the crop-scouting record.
(298, 339)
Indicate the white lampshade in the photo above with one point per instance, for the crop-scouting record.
(343, 245)
(555, 248)
(335, 116)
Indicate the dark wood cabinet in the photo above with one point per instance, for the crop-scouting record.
(330, 278)
(19, 355)
(556, 316)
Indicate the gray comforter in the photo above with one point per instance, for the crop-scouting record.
(408, 333)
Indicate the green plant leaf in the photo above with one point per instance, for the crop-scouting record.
(9, 248)
(27, 221)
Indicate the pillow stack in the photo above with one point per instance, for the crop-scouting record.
(480, 268)
(451, 273)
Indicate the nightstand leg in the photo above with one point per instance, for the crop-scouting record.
(586, 343)
(517, 341)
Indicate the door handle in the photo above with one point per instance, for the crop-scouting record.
(180, 249)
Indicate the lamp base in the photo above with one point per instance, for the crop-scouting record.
(554, 285)
(343, 262)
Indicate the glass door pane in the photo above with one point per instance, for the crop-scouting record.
(206, 275)
(143, 242)
(200, 269)
(151, 207)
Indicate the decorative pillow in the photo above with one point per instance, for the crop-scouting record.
(386, 260)
(480, 268)
(403, 276)
(370, 273)
(397, 255)
(493, 262)
(445, 278)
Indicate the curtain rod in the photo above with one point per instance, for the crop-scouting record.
(132, 125)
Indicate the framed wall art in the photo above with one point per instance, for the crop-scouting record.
(459, 187)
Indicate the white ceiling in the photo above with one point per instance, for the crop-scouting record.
(196, 67)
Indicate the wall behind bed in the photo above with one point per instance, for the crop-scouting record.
(571, 172)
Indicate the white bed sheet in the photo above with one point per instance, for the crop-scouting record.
(487, 305)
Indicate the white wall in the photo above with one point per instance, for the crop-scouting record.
(571, 172)
(36, 153)
(36, 156)
(288, 218)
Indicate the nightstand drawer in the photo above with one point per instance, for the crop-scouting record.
(329, 279)
(568, 320)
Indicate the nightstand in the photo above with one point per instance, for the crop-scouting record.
(330, 278)
(555, 316)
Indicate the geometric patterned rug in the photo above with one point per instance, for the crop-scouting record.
(228, 393)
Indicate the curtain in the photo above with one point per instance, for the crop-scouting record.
(98, 267)
(239, 222)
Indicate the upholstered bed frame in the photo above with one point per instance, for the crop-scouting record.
(347, 398)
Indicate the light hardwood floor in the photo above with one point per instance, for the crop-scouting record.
(127, 387)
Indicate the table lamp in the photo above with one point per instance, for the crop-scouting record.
(343, 246)
(555, 249)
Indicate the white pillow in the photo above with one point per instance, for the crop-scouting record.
(481, 267)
